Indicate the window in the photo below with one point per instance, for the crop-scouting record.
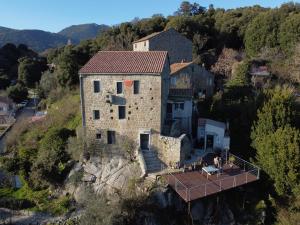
(96, 86)
(136, 87)
(96, 114)
(135, 45)
(111, 137)
(173, 81)
(145, 43)
(1, 109)
(98, 136)
(181, 105)
(122, 112)
(119, 87)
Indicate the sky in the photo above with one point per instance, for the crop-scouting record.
(54, 15)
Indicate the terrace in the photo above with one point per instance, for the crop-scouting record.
(192, 185)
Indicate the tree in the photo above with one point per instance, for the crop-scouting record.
(4, 81)
(48, 82)
(276, 141)
(262, 32)
(290, 33)
(188, 9)
(50, 165)
(17, 93)
(30, 70)
(67, 68)
(240, 75)
(225, 62)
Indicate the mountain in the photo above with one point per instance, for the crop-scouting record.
(83, 31)
(40, 40)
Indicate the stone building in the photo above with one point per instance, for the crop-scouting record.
(125, 93)
(192, 76)
(124, 96)
(178, 47)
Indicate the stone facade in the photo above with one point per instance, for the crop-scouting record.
(194, 77)
(178, 47)
(175, 149)
(145, 112)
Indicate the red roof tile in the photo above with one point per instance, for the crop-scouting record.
(175, 67)
(111, 62)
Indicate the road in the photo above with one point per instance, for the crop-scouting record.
(24, 114)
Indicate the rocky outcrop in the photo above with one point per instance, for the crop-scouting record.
(104, 176)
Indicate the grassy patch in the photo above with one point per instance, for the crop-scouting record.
(40, 200)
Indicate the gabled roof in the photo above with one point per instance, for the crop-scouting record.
(204, 121)
(115, 62)
(147, 37)
(175, 67)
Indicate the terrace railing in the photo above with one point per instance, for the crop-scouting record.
(249, 172)
(242, 164)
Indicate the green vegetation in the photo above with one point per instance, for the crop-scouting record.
(263, 123)
(30, 70)
(40, 155)
(83, 31)
(277, 141)
(17, 93)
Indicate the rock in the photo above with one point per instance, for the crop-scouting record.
(91, 168)
(80, 193)
(88, 178)
(76, 168)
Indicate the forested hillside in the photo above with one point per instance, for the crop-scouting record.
(264, 122)
(40, 41)
(83, 31)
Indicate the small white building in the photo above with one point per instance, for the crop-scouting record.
(212, 135)
(180, 108)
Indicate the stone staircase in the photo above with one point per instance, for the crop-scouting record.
(153, 163)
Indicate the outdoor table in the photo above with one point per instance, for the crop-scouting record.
(209, 170)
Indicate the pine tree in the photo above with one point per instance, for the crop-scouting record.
(276, 141)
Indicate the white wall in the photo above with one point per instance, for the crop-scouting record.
(142, 46)
(219, 140)
(218, 134)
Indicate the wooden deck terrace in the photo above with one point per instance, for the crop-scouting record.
(195, 184)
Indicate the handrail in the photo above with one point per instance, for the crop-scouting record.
(219, 182)
(249, 168)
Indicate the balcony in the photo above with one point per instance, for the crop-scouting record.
(192, 185)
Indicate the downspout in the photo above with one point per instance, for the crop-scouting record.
(83, 113)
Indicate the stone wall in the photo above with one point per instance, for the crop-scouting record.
(179, 47)
(194, 77)
(174, 150)
(144, 111)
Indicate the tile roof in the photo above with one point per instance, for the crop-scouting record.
(204, 121)
(147, 37)
(175, 67)
(114, 62)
